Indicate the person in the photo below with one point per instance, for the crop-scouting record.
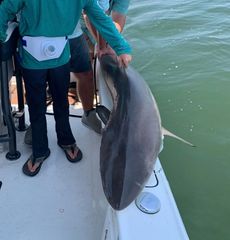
(80, 65)
(118, 10)
(44, 54)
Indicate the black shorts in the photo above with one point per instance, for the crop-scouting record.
(80, 57)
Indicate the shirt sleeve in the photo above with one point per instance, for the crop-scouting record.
(8, 10)
(120, 6)
(106, 28)
(104, 4)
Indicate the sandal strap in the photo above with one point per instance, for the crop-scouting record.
(69, 147)
(37, 160)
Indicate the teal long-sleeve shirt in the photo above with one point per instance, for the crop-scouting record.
(54, 18)
(120, 6)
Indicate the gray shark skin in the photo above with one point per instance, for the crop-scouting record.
(131, 139)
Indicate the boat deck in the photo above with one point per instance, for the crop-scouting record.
(47, 206)
(66, 201)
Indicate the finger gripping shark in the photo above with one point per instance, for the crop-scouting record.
(131, 139)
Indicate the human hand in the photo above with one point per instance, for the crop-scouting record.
(125, 59)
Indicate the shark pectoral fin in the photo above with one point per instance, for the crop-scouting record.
(103, 113)
(165, 132)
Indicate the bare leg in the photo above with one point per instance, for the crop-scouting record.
(85, 88)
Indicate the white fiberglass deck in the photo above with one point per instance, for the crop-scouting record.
(58, 202)
(65, 200)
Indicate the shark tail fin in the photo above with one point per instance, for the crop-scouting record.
(165, 132)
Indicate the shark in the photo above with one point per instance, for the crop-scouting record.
(132, 137)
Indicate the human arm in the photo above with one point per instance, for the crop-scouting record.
(119, 21)
(120, 6)
(8, 10)
(119, 9)
(106, 28)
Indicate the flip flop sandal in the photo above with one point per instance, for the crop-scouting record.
(72, 148)
(39, 160)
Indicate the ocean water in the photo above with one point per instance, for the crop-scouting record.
(182, 49)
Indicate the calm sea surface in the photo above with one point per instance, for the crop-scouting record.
(182, 49)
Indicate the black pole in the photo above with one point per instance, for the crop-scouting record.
(13, 154)
(20, 93)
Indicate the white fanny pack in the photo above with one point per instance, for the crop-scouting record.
(44, 48)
